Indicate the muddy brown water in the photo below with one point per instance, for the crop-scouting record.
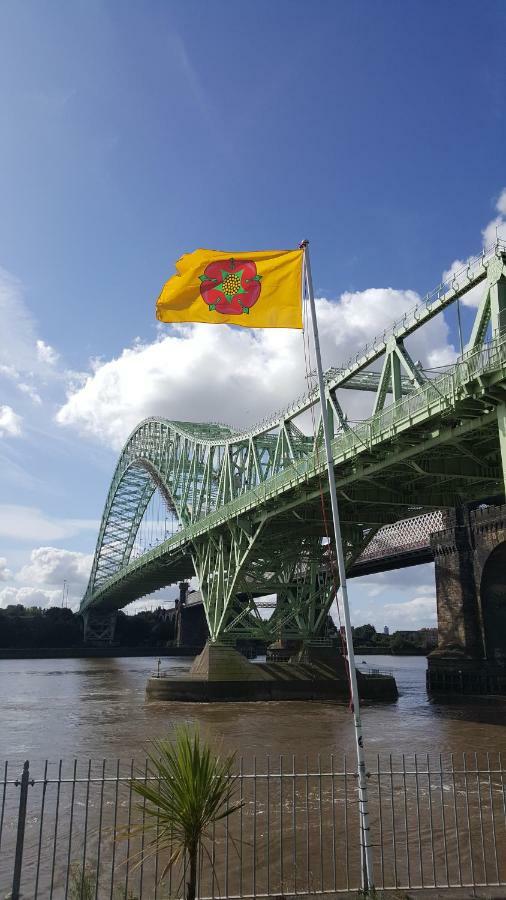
(302, 835)
(96, 708)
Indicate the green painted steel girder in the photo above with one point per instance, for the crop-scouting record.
(253, 505)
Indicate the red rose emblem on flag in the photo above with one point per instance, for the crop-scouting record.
(230, 286)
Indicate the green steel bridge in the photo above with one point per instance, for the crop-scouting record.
(252, 507)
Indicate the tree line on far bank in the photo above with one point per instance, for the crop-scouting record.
(31, 627)
(416, 641)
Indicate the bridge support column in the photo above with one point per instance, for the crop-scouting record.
(457, 612)
(99, 627)
(471, 604)
(501, 422)
(191, 626)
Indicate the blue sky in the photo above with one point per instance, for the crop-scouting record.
(131, 133)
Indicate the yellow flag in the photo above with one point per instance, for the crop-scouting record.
(259, 290)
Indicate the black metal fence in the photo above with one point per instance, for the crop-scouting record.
(436, 821)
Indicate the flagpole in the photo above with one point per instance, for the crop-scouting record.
(367, 867)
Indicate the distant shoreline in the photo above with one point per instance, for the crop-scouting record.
(113, 652)
(91, 652)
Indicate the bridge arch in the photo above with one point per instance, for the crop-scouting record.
(493, 601)
(129, 499)
(139, 472)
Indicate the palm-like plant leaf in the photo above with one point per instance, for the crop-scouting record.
(186, 790)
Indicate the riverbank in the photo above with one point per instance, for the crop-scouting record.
(116, 652)
(94, 652)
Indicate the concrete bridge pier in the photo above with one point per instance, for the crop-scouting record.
(221, 673)
(470, 561)
(99, 627)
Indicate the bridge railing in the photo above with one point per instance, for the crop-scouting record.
(437, 822)
(457, 284)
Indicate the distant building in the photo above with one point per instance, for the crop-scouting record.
(386, 630)
(423, 637)
(428, 637)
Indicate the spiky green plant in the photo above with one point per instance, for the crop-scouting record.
(187, 789)
(82, 883)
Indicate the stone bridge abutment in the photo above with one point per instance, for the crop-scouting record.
(470, 569)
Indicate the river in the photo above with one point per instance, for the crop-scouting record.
(95, 708)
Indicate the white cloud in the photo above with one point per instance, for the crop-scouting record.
(28, 523)
(46, 353)
(401, 599)
(472, 297)
(419, 578)
(41, 581)
(399, 609)
(501, 203)
(30, 391)
(9, 372)
(26, 361)
(204, 373)
(53, 566)
(10, 422)
(497, 227)
(17, 347)
(28, 596)
(420, 612)
(5, 573)
(494, 230)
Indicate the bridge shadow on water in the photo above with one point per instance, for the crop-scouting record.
(488, 710)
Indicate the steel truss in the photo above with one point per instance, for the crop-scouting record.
(99, 626)
(250, 503)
